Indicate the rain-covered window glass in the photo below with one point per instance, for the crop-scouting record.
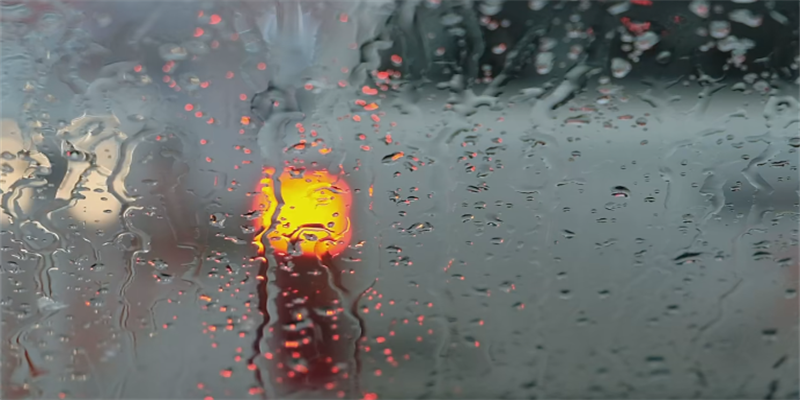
(380, 199)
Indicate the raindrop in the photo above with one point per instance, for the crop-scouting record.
(47, 304)
(547, 43)
(537, 5)
(163, 278)
(72, 154)
(217, 220)
(544, 63)
(619, 8)
(687, 258)
(620, 191)
(620, 67)
(392, 158)
(172, 52)
(746, 17)
(419, 228)
(664, 57)
(719, 29)
(490, 7)
(159, 264)
(451, 19)
(646, 41)
(700, 8)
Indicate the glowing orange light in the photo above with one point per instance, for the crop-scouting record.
(314, 218)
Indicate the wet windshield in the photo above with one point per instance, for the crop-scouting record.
(399, 199)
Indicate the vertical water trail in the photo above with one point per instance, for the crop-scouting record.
(267, 291)
(271, 142)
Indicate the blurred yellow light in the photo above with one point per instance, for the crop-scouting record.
(13, 169)
(99, 208)
(315, 217)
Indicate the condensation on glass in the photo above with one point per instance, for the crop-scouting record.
(399, 199)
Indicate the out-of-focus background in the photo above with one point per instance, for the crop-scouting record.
(545, 199)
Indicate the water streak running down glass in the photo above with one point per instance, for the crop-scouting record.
(380, 199)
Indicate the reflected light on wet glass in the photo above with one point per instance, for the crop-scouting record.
(314, 218)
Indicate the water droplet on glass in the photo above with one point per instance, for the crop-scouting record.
(451, 19)
(158, 264)
(620, 67)
(746, 17)
(688, 258)
(646, 41)
(490, 7)
(537, 5)
(544, 63)
(664, 57)
(47, 304)
(172, 52)
(719, 29)
(701, 8)
(547, 43)
(620, 191)
(217, 220)
(392, 158)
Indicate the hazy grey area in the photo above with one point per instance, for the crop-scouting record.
(549, 199)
